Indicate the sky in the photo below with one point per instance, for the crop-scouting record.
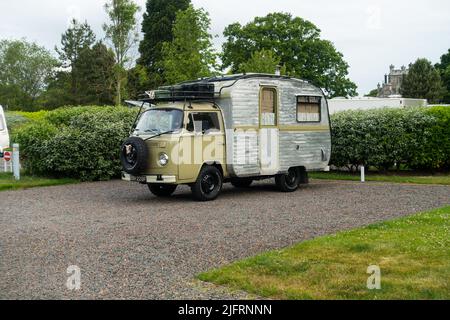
(371, 34)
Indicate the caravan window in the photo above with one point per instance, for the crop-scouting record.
(308, 109)
(269, 107)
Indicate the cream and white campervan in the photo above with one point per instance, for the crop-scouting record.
(237, 129)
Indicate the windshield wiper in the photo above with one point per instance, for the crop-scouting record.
(161, 134)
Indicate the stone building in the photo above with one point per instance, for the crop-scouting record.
(392, 82)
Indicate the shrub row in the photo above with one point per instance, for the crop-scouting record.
(417, 138)
(81, 142)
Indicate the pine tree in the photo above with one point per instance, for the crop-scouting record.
(78, 37)
(95, 66)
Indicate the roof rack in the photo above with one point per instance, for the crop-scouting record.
(181, 92)
(202, 89)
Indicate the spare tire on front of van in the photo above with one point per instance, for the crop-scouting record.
(134, 155)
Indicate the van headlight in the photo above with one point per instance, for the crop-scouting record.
(163, 159)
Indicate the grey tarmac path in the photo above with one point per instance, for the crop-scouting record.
(132, 245)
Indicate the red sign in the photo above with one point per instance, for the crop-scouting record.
(7, 156)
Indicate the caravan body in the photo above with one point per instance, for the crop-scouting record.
(277, 122)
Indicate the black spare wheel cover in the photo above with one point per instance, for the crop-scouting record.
(134, 155)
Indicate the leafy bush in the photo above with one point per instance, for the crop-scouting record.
(32, 138)
(81, 142)
(417, 138)
(440, 142)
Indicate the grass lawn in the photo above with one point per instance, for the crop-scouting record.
(436, 179)
(7, 182)
(413, 254)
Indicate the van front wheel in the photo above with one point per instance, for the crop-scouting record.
(162, 190)
(208, 185)
(289, 182)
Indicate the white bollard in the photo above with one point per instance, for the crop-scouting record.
(363, 174)
(16, 161)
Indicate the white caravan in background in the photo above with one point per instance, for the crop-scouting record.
(4, 135)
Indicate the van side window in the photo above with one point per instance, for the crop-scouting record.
(190, 125)
(309, 109)
(2, 126)
(268, 106)
(206, 122)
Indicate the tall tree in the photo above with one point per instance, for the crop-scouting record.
(76, 38)
(157, 28)
(262, 62)
(122, 33)
(444, 69)
(95, 66)
(24, 73)
(297, 43)
(422, 82)
(190, 55)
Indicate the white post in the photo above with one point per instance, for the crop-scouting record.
(363, 174)
(16, 161)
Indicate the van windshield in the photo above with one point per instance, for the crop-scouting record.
(158, 121)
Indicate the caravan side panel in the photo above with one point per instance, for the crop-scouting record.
(299, 144)
(302, 144)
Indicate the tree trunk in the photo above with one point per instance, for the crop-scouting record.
(119, 91)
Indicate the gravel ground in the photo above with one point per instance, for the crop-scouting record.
(131, 245)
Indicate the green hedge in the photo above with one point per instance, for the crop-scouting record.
(416, 138)
(84, 142)
(77, 142)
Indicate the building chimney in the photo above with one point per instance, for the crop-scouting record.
(278, 71)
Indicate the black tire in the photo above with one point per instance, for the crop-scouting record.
(241, 182)
(134, 155)
(289, 182)
(162, 190)
(208, 185)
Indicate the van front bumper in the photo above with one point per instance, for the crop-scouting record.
(148, 179)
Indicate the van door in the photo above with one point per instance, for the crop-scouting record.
(210, 124)
(202, 142)
(190, 151)
(268, 133)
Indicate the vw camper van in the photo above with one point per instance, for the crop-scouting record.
(231, 129)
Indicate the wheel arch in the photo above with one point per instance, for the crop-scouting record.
(216, 164)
